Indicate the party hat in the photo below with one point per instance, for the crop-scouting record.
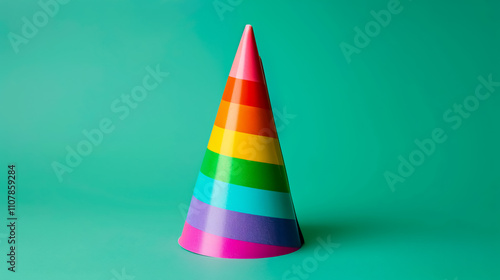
(241, 206)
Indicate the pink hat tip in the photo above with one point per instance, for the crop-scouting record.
(246, 63)
(248, 31)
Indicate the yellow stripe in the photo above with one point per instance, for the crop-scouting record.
(245, 146)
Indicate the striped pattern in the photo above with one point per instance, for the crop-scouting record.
(242, 199)
(201, 242)
(244, 227)
(241, 207)
(251, 120)
(245, 146)
(246, 173)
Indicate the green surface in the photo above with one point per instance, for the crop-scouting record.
(342, 126)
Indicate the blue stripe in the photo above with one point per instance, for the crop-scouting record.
(243, 199)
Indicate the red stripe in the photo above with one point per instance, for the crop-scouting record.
(247, 93)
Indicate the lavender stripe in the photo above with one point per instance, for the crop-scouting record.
(242, 226)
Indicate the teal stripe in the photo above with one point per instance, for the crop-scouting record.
(243, 199)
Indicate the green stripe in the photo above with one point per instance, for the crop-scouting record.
(253, 174)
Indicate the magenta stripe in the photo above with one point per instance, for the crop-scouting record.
(207, 244)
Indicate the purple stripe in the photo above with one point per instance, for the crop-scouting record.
(242, 226)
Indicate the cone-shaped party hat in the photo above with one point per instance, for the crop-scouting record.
(241, 206)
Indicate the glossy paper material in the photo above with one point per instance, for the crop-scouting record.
(241, 206)
(242, 199)
(203, 243)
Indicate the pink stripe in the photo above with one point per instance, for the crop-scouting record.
(207, 244)
(246, 64)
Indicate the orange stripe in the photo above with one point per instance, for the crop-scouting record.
(247, 119)
(246, 93)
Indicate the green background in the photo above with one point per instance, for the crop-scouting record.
(120, 212)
